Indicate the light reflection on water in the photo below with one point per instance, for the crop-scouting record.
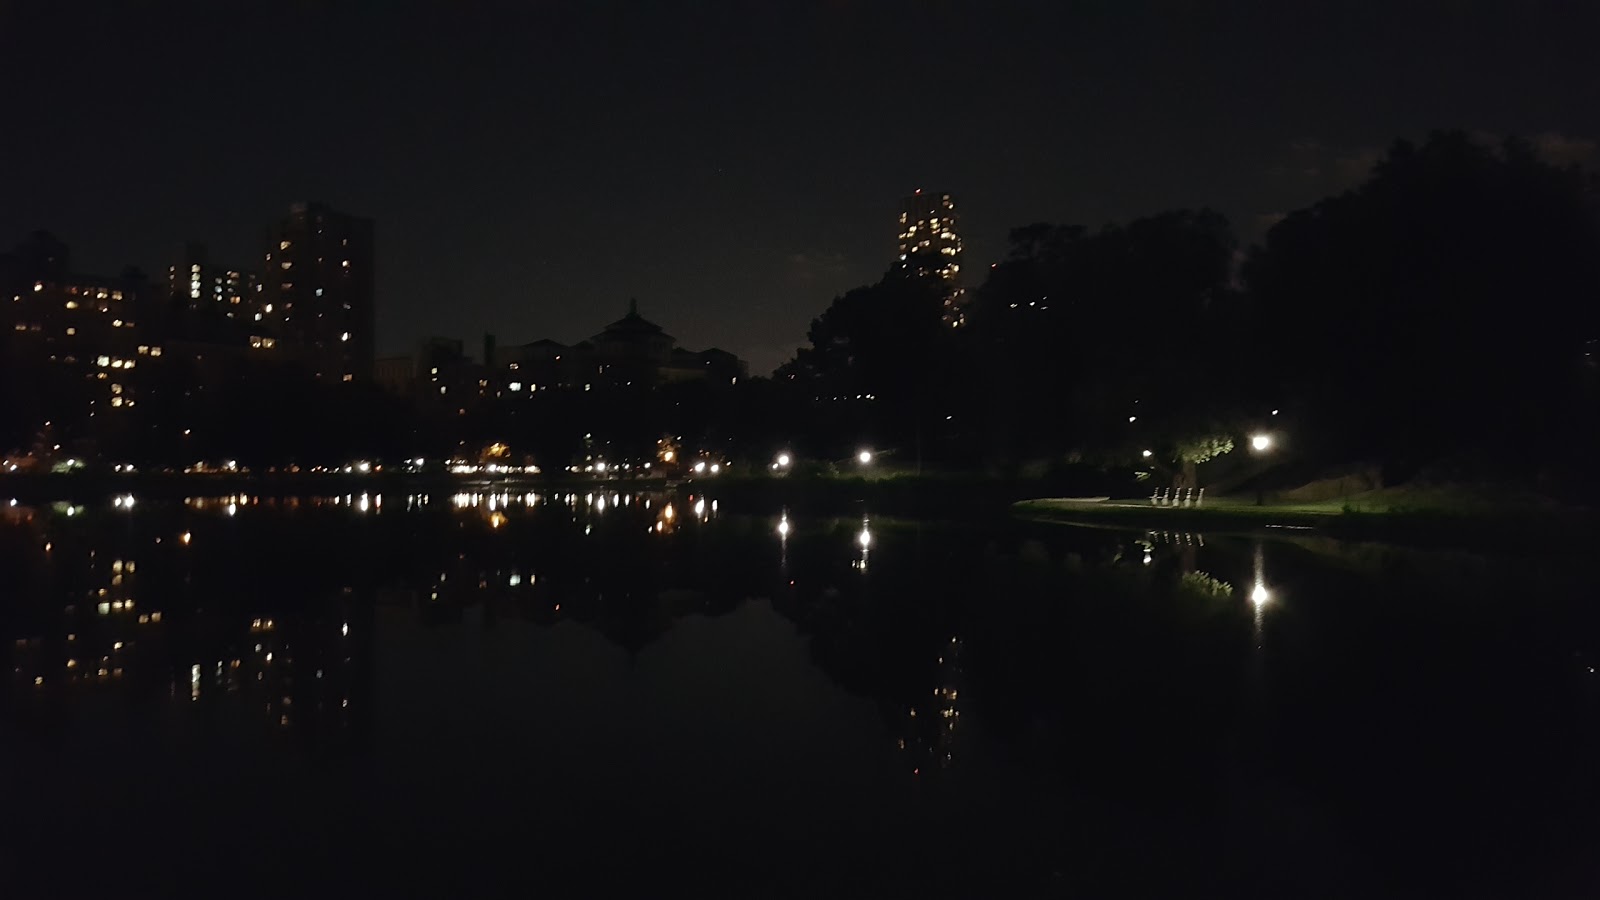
(1013, 669)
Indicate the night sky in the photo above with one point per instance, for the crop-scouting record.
(734, 166)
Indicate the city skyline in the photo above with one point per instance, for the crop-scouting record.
(533, 167)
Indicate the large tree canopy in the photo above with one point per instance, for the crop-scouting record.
(1443, 304)
(1099, 342)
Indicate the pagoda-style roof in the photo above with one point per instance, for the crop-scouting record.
(631, 325)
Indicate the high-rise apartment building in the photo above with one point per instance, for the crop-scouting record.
(930, 247)
(316, 290)
(195, 283)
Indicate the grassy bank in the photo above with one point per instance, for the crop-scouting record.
(1434, 516)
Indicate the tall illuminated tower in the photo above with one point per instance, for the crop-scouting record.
(317, 290)
(930, 247)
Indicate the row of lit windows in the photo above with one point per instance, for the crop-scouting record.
(96, 293)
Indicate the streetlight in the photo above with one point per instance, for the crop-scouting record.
(1260, 443)
(782, 462)
(864, 457)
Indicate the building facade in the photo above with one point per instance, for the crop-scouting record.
(632, 352)
(317, 291)
(72, 353)
(930, 247)
(197, 285)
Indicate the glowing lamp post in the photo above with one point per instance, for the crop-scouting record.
(1260, 443)
(864, 457)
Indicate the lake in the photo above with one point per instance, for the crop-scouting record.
(604, 691)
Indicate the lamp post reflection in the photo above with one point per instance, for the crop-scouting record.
(1260, 596)
(864, 540)
(783, 544)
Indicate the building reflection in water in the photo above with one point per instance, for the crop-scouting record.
(104, 611)
(264, 609)
(930, 727)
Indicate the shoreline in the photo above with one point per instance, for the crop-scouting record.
(1524, 528)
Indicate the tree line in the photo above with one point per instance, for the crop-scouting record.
(1439, 318)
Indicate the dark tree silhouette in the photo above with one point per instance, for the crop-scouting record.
(1442, 307)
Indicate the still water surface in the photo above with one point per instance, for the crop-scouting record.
(431, 695)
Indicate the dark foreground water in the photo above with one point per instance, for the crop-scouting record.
(599, 694)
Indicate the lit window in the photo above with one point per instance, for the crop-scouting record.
(515, 385)
(72, 304)
(155, 351)
(345, 336)
(285, 264)
(346, 264)
(116, 323)
(319, 292)
(72, 331)
(195, 267)
(283, 245)
(116, 401)
(267, 308)
(103, 361)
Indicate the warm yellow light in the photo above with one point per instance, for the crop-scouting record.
(1261, 442)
